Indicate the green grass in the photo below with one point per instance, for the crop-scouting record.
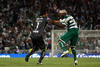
(49, 62)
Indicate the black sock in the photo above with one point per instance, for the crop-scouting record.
(42, 56)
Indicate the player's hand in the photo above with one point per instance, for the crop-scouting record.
(50, 21)
(56, 21)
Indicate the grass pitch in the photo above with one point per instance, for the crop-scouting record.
(49, 62)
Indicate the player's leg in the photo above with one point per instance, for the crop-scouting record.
(73, 48)
(29, 54)
(41, 57)
(63, 40)
(73, 44)
(62, 46)
(42, 47)
(34, 48)
(74, 54)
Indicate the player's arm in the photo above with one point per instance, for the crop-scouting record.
(58, 23)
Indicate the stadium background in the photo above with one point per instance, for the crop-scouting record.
(16, 17)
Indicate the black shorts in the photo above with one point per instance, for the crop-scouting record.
(38, 42)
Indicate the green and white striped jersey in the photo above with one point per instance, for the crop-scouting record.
(69, 21)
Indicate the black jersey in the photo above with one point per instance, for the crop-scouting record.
(39, 25)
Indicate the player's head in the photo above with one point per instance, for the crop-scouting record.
(46, 14)
(62, 12)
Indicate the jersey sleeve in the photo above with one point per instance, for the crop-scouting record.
(69, 18)
(64, 21)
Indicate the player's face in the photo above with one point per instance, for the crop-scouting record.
(61, 14)
(46, 14)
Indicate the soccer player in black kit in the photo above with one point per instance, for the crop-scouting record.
(37, 37)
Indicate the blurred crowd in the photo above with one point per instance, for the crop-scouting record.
(16, 17)
(89, 45)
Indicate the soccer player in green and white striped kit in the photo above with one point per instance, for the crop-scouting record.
(72, 34)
